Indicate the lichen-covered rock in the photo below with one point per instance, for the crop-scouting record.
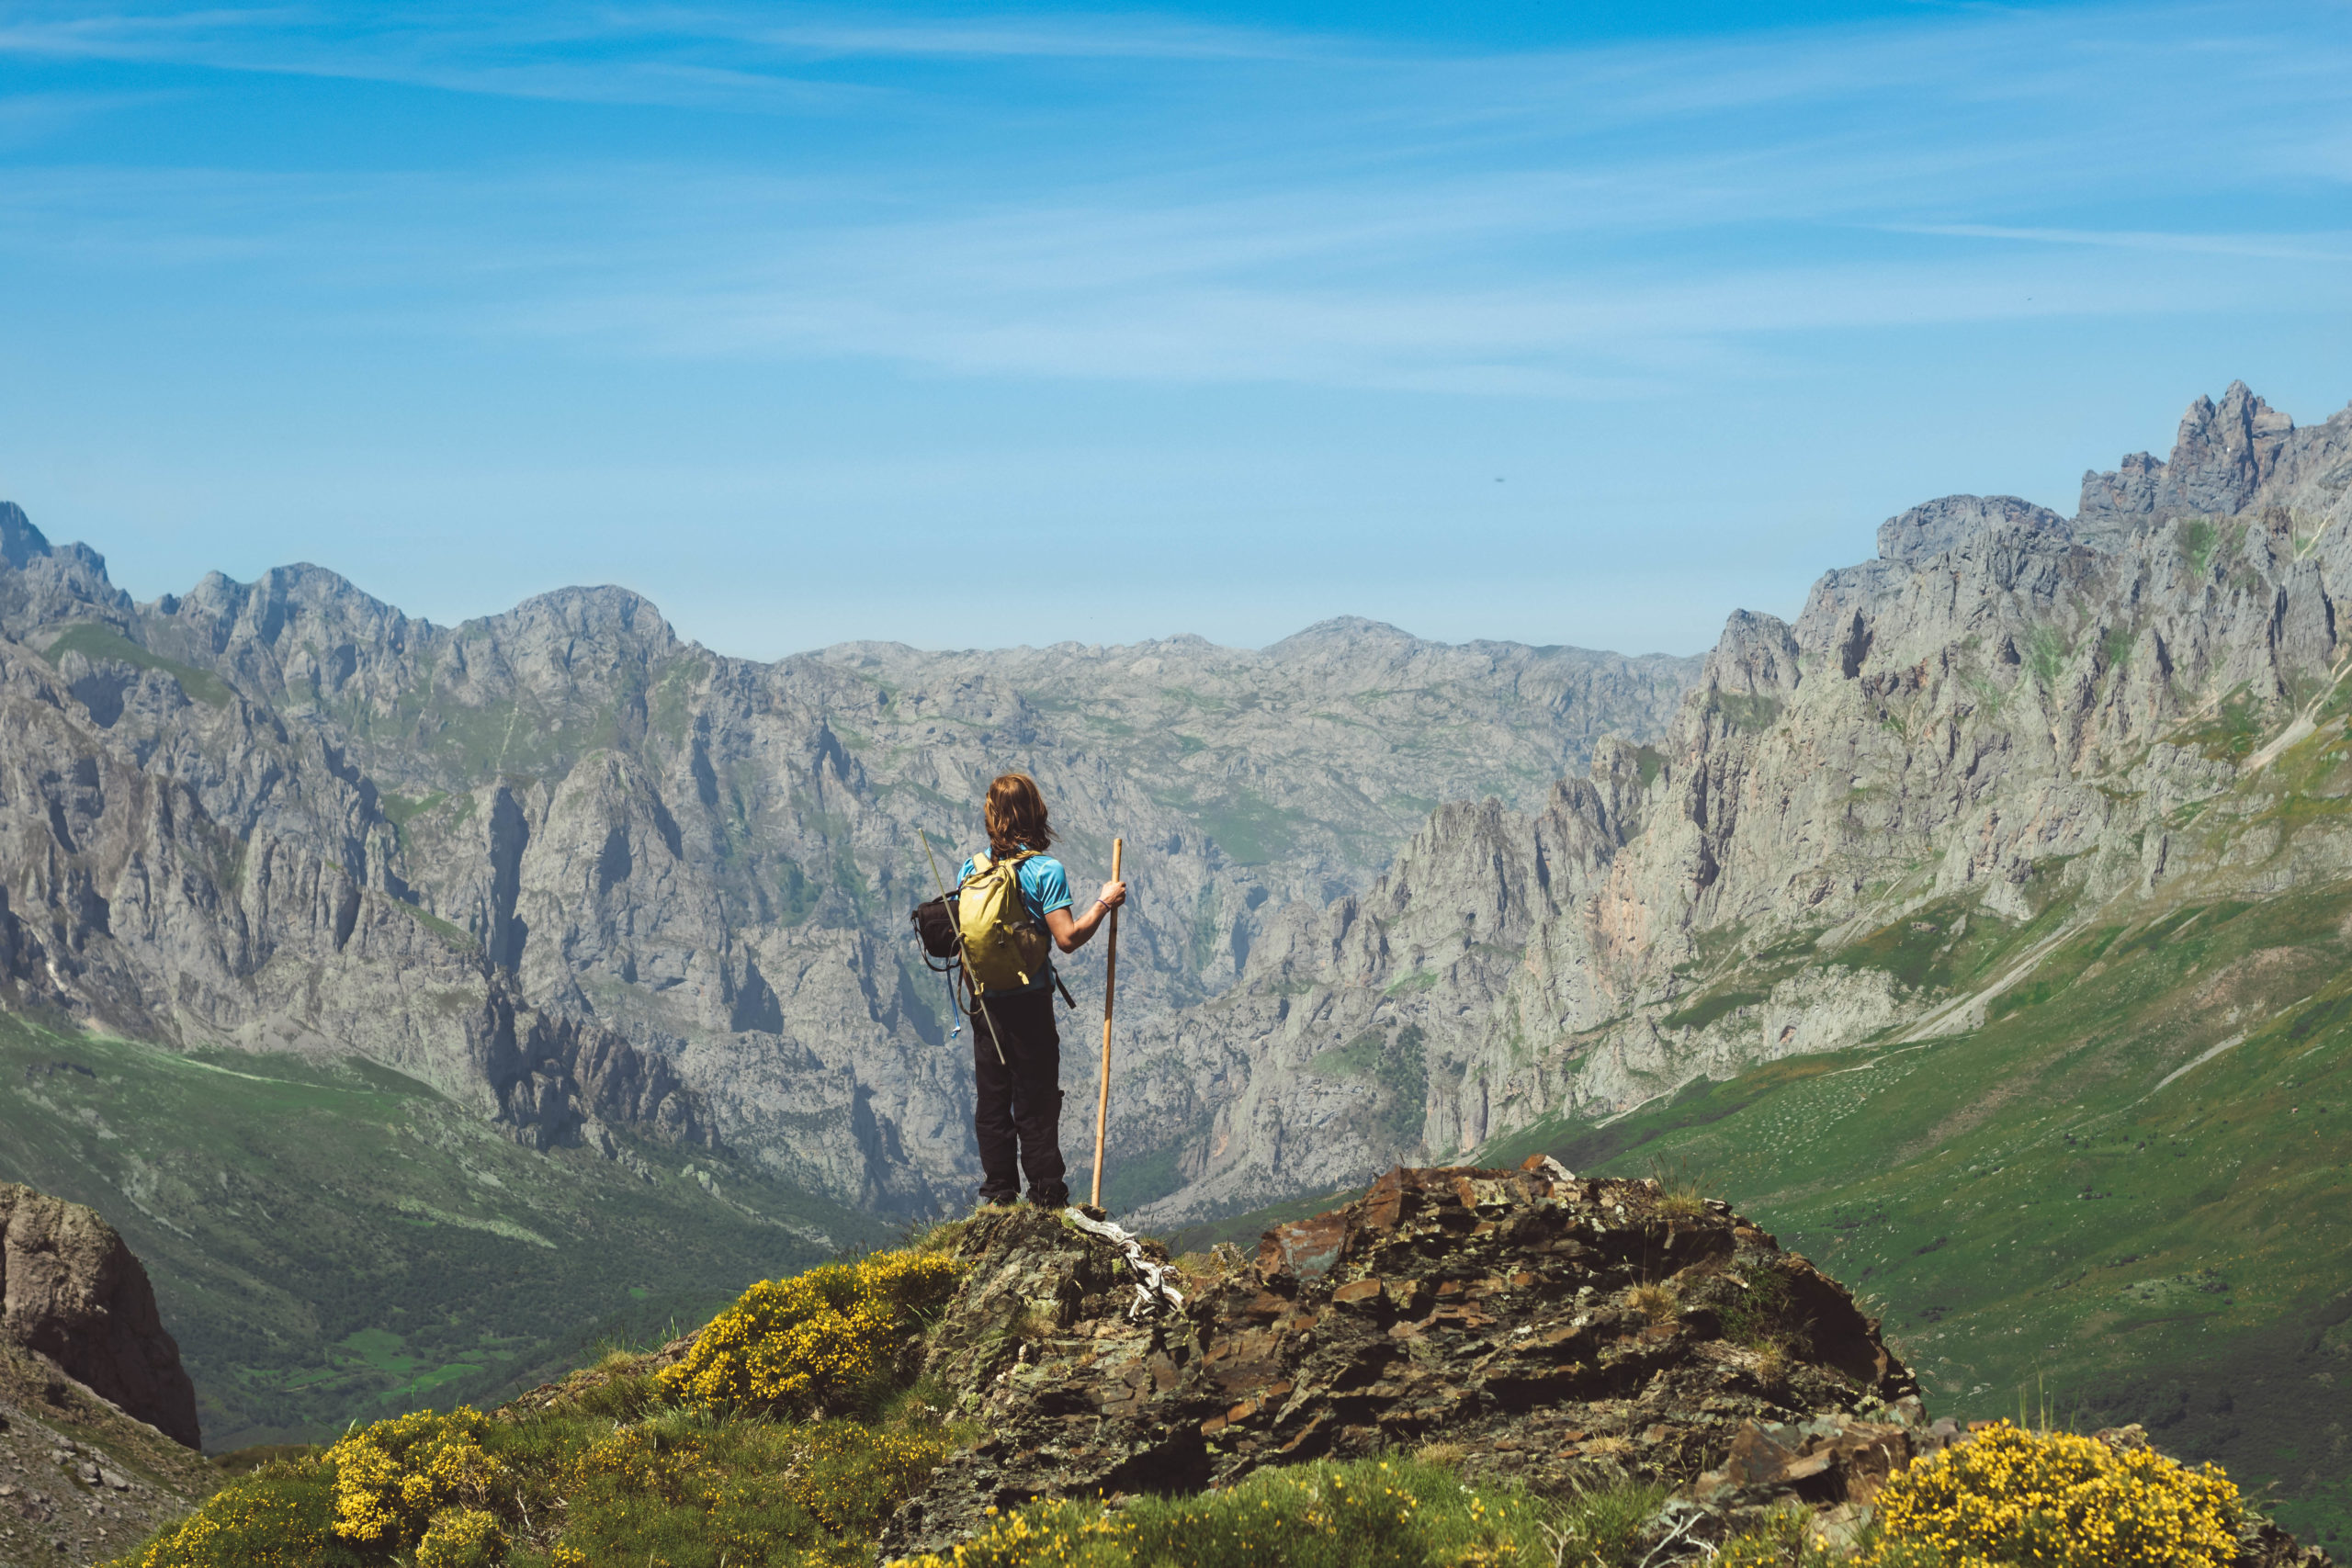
(1549, 1325)
(72, 1291)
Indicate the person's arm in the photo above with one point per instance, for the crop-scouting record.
(1070, 934)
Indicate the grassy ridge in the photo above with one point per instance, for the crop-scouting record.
(2126, 1191)
(331, 1241)
(2124, 1195)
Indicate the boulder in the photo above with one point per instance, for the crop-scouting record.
(1542, 1326)
(72, 1291)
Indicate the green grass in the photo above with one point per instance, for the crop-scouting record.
(2034, 1201)
(2116, 647)
(610, 1471)
(454, 935)
(1131, 1183)
(1709, 1005)
(2045, 654)
(1399, 1067)
(1400, 1512)
(93, 640)
(2196, 540)
(1242, 1230)
(1931, 949)
(1750, 714)
(1357, 1059)
(330, 1240)
(401, 811)
(2232, 731)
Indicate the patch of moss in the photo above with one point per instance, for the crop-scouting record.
(94, 641)
(1750, 714)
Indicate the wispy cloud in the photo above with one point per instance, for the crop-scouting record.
(746, 59)
(1579, 223)
(2319, 247)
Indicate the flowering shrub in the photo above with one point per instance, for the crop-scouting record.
(461, 1538)
(2057, 1499)
(753, 1492)
(392, 1478)
(280, 1518)
(807, 1344)
(845, 1473)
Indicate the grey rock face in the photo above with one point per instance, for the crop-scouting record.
(2002, 712)
(586, 876)
(2238, 456)
(1937, 526)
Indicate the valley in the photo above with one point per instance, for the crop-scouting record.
(331, 1241)
(425, 1002)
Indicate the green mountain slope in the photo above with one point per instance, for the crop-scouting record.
(2126, 1193)
(331, 1241)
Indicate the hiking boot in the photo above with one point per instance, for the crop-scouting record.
(1052, 1196)
(996, 1201)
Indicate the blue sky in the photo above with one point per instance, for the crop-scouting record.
(968, 326)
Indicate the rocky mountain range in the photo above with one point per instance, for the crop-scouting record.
(2014, 721)
(600, 883)
(587, 877)
(1984, 926)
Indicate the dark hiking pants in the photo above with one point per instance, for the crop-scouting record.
(1017, 1111)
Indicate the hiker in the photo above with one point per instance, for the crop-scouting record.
(1017, 1107)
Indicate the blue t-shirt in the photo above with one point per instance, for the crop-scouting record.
(1045, 888)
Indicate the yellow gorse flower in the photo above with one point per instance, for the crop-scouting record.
(393, 1477)
(461, 1538)
(2013, 1496)
(804, 1344)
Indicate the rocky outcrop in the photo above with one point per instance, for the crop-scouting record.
(72, 1291)
(1545, 1328)
(84, 1482)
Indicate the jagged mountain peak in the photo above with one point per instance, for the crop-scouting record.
(19, 540)
(606, 609)
(44, 582)
(1342, 632)
(278, 594)
(1755, 656)
(1935, 526)
(2227, 457)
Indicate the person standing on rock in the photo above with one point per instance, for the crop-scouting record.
(1013, 901)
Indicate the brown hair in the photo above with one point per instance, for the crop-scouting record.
(1016, 817)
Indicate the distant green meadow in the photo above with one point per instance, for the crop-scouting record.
(2059, 1207)
(331, 1241)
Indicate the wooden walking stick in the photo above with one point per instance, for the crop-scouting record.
(1110, 985)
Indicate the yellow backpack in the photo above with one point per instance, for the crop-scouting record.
(1005, 947)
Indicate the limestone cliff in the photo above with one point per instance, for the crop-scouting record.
(1395, 899)
(589, 878)
(2005, 722)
